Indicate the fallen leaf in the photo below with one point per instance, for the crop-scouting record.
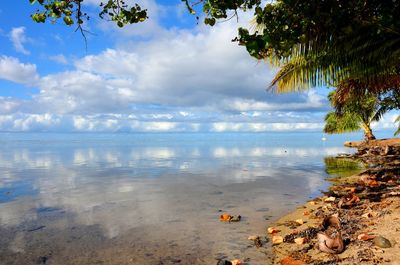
(272, 230)
(300, 240)
(236, 262)
(299, 221)
(372, 183)
(291, 261)
(225, 217)
(277, 240)
(365, 237)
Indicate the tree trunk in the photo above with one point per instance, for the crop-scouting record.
(368, 132)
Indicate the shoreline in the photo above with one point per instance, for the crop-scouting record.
(372, 211)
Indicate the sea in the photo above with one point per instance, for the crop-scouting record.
(153, 198)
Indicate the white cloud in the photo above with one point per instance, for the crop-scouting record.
(13, 70)
(178, 80)
(59, 58)
(18, 39)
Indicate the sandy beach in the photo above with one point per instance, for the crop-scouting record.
(367, 205)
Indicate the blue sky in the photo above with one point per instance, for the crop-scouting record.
(167, 74)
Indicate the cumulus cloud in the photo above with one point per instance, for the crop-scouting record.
(18, 39)
(59, 58)
(13, 70)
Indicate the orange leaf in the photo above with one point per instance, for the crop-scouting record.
(272, 230)
(236, 262)
(365, 237)
(225, 217)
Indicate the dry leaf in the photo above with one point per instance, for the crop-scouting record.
(236, 262)
(373, 183)
(225, 217)
(277, 240)
(272, 230)
(365, 237)
(300, 240)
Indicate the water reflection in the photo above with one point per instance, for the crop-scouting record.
(124, 189)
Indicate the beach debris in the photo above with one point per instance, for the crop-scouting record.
(369, 215)
(330, 199)
(299, 221)
(236, 218)
(277, 240)
(229, 218)
(291, 224)
(224, 262)
(313, 203)
(290, 261)
(382, 242)
(326, 242)
(236, 262)
(368, 181)
(300, 240)
(256, 240)
(308, 233)
(365, 237)
(306, 213)
(272, 230)
(253, 238)
(348, 200)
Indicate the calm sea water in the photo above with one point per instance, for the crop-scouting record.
(151, 198)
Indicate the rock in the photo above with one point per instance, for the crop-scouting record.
(330, 199)
(300, 240)
(277, 240)
(382, 242)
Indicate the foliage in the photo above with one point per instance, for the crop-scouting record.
(357, 112)
(123, 13)
(326, 42)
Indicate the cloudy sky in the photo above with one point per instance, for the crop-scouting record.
(167, 74)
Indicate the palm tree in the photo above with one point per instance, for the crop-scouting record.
(357, 112)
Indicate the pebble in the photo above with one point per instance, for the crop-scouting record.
(382, 242)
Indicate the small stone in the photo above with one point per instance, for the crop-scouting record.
(382, 242)
(277, 240)
(299, 221)
(300, 240)
(330, 199)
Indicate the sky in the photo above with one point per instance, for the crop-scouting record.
(168, 74)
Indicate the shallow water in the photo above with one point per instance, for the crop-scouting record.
(151, 198)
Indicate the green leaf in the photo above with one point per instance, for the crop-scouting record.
(68, 20)
(210, 21)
